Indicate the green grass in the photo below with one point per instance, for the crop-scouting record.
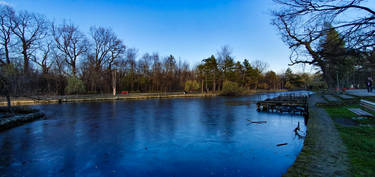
(369, 98)
(340, 111)
(343, 112)
(359, 140)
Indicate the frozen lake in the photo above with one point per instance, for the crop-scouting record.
(158, 137)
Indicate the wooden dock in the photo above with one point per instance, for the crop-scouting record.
(294, 104)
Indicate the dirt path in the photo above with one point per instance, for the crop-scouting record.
(324, 153)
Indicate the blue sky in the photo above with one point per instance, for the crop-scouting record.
(189, 29)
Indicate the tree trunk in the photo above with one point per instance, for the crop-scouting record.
(206, 83)
(219, 85)
(7, 53)
(9, 103)
(202, 85)
(328, 78)
(74, 70)
(25, 64)
(25, 58)
(214, 83)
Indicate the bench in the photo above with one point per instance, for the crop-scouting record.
(360, 112)
(368, 104)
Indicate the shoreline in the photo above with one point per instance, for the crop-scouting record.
(25, 101)
(323, 152)
(19, 116)
(39, 100)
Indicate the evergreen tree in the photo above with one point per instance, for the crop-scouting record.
(212, 67)
(337, 63)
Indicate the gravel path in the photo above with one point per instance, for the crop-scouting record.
(324, 153)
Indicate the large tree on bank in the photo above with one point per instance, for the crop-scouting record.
(302, 25)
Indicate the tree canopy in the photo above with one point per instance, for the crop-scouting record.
(314, 29)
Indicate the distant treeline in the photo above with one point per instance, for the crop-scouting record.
(41, 57)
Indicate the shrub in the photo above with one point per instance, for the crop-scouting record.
(191, 85)
(75, 86)
(289, 86)
(231, 89)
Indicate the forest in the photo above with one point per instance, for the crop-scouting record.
(40, 57)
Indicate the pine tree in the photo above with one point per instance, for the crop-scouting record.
(337, 63)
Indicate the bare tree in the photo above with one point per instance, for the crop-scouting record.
(351, 18)
(107, 49)
(30, 28)
(6, 25)
(223, 53)
(43, 56)
(6, 16)
(59, 62)
(131, 55)
(302, 24)
(185, 73)
(71, 43)
(116, 53)
(260, 65)
(144, 64)
(107, 46)
(156, 72)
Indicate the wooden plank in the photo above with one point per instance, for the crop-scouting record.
(368, 107)
(282, 144)
(368, 104)
(360, 112)
(256, 122)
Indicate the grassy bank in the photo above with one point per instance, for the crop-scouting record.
(321, 154)
(18, 116)
(358, 136)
